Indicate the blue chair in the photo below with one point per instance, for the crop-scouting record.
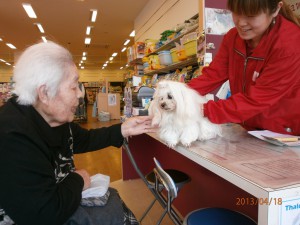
(217, 216)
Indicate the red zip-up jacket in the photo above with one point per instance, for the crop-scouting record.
(265, 85)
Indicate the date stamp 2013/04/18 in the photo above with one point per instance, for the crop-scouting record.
(258, 201)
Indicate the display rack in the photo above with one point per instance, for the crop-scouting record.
(191, 61)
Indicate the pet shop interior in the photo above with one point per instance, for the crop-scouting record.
(121, 54)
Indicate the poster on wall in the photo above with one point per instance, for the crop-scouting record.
(112, 99)
(294, 6)
(218, 21)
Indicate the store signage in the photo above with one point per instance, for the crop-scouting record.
(290, 212)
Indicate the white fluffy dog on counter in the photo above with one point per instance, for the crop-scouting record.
(176, 110)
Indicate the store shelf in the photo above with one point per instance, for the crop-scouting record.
(189, 62)
(137, 61)
(171, 44)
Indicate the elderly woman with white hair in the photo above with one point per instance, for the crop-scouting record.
(39, 181)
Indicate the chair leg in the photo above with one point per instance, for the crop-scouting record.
(147, 210)
(162, 216)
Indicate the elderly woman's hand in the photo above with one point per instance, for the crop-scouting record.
(86, 178)
(137, 125)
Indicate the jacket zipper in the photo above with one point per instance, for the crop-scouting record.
(244, 71)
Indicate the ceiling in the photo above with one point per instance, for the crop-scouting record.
(65, 22)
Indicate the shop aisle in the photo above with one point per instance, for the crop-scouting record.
(108, 161)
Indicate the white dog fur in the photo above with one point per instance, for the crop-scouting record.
(176, 109)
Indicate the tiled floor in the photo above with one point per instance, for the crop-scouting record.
(108, 161)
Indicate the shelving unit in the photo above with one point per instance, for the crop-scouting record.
(192, 61)
(171, 44)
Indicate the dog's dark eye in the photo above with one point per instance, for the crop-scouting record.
(170, 96)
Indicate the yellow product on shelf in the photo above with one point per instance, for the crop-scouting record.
(154, 62)
(150, 45)
(174, 56)
(190, 47)
(181, 55)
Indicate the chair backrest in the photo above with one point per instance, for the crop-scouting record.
(165, 179)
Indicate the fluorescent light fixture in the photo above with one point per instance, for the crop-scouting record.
(126, 42)
(132, 34)
(11, 46)
(81, 61)
(2, 60)
(8, 64)
(103, 67)
(105, 64)
(123, 49)
(79, 64)
(83, 58)
(1, 39)
(111, 58)
(29, 10)
(40, 27)
(114, 54)
(94, 15)
(88, 30)
(82, 67)
(121, 67)
(84, 53)
(44, 39)
(87, 41)
(126, 65)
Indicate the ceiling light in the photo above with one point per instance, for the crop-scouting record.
(103, 68)
(105, 64)
(44, 39)
(111, 58)
(132, 34)
(94, 15)
(79, 64)
(83, 58)
(88, 30)
(114, 54)
(84, 53)
(1, 39)
(10, 45)
(126, 65)
(8, 64)
(126, 42)
(121, 67)
(29, 10)
(2, 60)
(87, 41)
(123, 49)
(40, 27)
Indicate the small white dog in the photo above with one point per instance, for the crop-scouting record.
(176, 110)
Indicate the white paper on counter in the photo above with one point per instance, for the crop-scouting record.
(261, 133)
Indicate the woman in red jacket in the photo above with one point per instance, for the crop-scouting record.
(260, 57)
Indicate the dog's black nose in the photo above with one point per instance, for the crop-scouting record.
(162, 105)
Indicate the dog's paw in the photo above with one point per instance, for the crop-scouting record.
(188, 137)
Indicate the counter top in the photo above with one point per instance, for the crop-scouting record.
(239, 154)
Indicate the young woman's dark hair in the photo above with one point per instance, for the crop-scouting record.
(254, 7)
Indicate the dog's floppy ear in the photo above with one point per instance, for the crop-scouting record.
(178, 94)
(155, 111)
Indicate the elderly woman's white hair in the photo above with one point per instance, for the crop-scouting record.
(40, 64)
